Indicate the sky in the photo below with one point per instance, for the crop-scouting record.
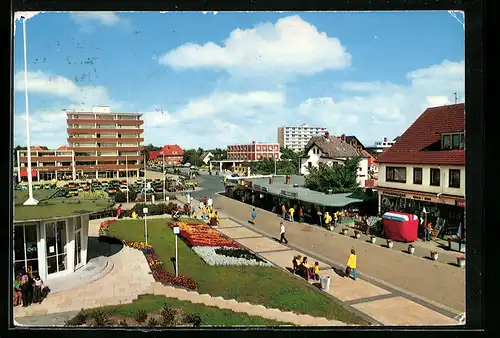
(214, 79)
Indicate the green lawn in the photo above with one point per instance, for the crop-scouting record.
(268, 286)
(53, 207)
(209, 315)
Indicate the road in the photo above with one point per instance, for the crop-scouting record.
(435, 282)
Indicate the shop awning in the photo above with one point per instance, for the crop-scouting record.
(24, 172)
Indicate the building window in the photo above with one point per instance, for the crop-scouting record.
(395, 174)
(435, 177)
(454, 178)
(417, 175)
(453, 141)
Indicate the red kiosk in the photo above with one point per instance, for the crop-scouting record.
(400, 227)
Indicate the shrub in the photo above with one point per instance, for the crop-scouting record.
(100, 318)
(238, 253)
(123, 323)
(120, 197)
(97, 195)
(79, 319)
(168, 315)
(193, 319)
(141, 316)
(153, 322)
(170, 206)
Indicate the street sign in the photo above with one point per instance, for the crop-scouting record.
(145, 210)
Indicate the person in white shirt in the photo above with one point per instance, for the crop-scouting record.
(282, 233)
(201, 205)
(210, 202)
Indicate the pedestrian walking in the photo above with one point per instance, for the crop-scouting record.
(341, 213)
(351, 265)
(301, 215)
(254, 215)
(291, 212)
(282, 233)
(210, 202)
(328, 219)
(428, 231)
(38, 286)
(319, 213)
(283, 211)
(201, 205)
(119, 211)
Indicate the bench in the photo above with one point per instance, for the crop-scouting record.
(301, 270)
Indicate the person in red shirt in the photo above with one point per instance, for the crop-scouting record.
(301, 215)
(119, 211)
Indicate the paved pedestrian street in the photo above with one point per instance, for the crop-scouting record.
(437, 284)
(382, 305)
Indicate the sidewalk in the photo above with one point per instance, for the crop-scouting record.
(438, 284)
(382, 305)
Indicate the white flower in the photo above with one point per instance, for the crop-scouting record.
(209, 256)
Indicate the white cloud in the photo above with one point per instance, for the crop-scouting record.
(103, 18)
(48, 126)
(387, 109)
(290, 46)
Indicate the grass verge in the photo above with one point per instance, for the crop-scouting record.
(209, 315)
(268, 286)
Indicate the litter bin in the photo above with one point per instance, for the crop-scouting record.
(325, 283)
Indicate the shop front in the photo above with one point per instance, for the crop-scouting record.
(52, 247)
(443, 211)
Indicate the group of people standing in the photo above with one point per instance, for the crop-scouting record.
(28, 289)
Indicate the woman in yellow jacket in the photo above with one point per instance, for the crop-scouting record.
(328, 219)
(351, 264)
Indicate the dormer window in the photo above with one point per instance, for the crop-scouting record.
(452, 141)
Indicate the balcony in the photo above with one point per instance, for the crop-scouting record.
(108, 121)
(84, 149)
(109, 167)
(52, 168)
(108, 158)
(104, 130)
(45, 159)
(104, 139)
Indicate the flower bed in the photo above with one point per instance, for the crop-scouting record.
(158, 271)
(213, 255)
(202, 235)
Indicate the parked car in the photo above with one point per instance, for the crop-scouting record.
(111, 191)
(72, 192)
(123, 188)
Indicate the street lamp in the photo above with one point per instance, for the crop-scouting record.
(176, 233)
(145, 211)
(31, 200)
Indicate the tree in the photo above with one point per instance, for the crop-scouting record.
(192, 156)
(219, 154)
(339, 178)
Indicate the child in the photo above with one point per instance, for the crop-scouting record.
(204, 213)
(38, 285)
(119, 211)
(316, 271)
(17, 291)
(351, 265)
(254, 215)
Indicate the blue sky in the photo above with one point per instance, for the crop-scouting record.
(212, 80)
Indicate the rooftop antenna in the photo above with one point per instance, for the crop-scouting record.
(456, 98)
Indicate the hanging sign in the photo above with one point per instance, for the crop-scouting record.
(51, 249)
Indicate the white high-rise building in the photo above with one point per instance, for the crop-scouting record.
(296, 138)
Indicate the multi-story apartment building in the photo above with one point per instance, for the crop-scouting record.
(424, 171)
(46, 164)
(381, 146)
(253, 152)
(171, 155)
(296, 138)
(106, 144)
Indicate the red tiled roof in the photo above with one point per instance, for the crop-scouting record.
(153, 154)
(36, 148)
(425, 131)
(63, 148)
(172, 150)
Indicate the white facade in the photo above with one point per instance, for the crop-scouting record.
(425, 186)
(314, 159)
(296, 138)
(382, 146)
(53, 247)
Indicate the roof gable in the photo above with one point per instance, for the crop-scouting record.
(425, 131)
(333, 147)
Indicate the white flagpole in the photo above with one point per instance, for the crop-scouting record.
(31, 200)
(163, 171)
(126, 174)
(145, 179)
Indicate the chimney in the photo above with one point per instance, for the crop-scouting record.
(385, 139)
(287, 179)
(270, 180)
(327, 134)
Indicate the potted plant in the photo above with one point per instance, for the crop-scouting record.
(390, 244)
(434, 255)
(373, 239)
(461, 261)
(344, 231)
(411, 249)
(357, 233)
